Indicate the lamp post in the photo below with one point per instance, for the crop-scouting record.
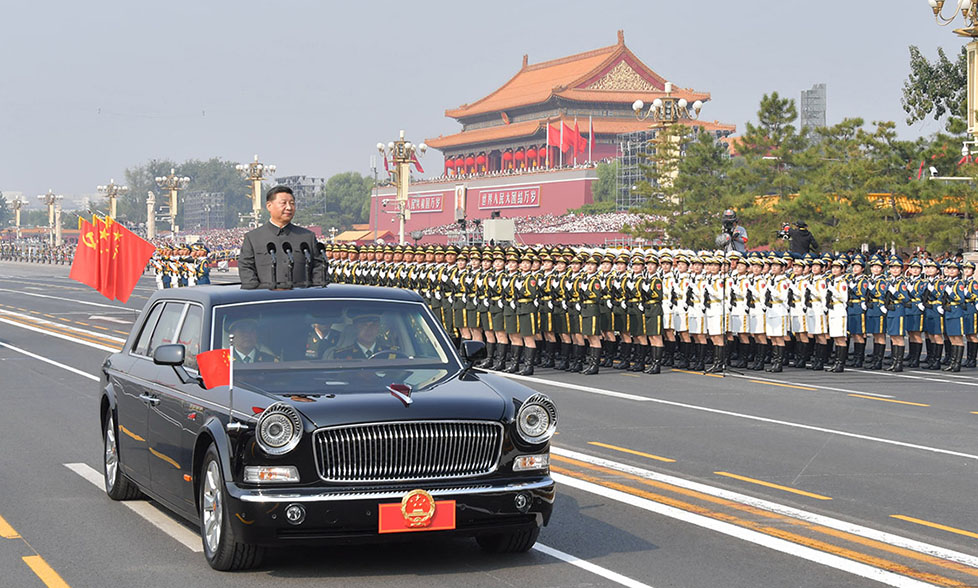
(18, 203)
(174, 184)
(112, 191)
(50, 200)
(969, 13)
(150, 215)
(401, 153)
(666, 111)
(255, 172)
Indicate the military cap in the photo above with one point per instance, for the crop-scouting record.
(915, 263)
(930, 263)
(839, 262)
(895, 262)
(637, 259)
(818, 261)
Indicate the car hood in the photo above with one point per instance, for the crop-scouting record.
(340, 397)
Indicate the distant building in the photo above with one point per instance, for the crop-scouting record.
(308, 191)
(813, 107)
(204, 210)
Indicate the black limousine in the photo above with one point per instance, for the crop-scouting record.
(350, 417)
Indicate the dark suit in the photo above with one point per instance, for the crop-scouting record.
(255, 263)
(260, 357)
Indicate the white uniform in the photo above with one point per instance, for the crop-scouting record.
(755, 312)
(680, 320)
(776, 323)
(737, 298)
(799, 317)
(695, 309)
(837, 300)
(817, 288)
(715, 295)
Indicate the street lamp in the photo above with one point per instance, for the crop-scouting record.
(401, 153)
(255, 173)
(53, 202)
(150, 215)
(174, 184)
(112, 191)
(668, 109)
(969, 12)
(17, 204)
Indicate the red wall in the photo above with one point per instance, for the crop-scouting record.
(543, 238)
(531, 194)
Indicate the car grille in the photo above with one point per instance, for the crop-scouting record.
(403, 451)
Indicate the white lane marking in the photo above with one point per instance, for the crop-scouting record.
(60, 336)
(819, 386)
(111, 319)
(590, 567)
(72, 300)
(744, 416)
(775, 543)
(60, 325)
(158, 519)
(942, 379)
(825, 521)
(50, 361)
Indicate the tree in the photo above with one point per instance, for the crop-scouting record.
(602, 191)
(937, 90)
(344, 201)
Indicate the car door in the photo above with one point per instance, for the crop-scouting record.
(172, 420)
(131, 410)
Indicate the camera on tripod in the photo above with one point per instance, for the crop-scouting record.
(785, 232)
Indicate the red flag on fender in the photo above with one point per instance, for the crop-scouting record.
(134, 253)
(215, 367)
(84, 268)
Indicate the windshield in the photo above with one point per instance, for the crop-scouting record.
(329, 333)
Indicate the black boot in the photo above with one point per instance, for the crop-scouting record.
(700, 351)
(502, 351)
(972, 355)
(669, 353)
(529, 354)
(956, 353)
(759, 357)
(745, 352)
(897, 354)
(840, 359)
(913, 356)
(490, 350)
(858, 354)
(563, 361)
(719, 360)
(777, 356)
(934, 356)
(513, 365)
(817, 364)
(548, 355)
(593, 359)
(623, 362)
(876, 361)
(607, 354)
(682, 355)
(577, 365)
(804, 351)
(642, 356)
(655, 361)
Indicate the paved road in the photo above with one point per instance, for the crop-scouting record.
(681, 479)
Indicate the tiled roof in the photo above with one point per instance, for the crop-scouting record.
(602, 126)
(575, 77)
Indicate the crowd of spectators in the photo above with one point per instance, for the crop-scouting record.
(502, 173)
(224, 244)
(609, 222)
(37, 251)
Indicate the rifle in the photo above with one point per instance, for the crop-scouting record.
(768, 300)
(750, 298)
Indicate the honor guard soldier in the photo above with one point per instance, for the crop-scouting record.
(525, 289)
(652, 315)
(970, 316)
(856, 310)
(619, 312)
(508, 287)
(776, 316)
(837, 314)
(896, 300)
(933, 314)
(914, 314)
(590, 291)
(954, 295)
(875, 312)
(715, 312)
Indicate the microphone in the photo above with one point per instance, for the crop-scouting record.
(305, 251)
(321, 252)
(271, 251)
(287, 250)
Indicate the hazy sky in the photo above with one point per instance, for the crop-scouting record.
(88, 89)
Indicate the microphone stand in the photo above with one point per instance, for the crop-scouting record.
(305, 252)
(287, 250)
(271, 251)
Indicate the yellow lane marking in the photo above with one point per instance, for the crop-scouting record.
(120, 332)
(19, 308)
(697, 373)
(98, 327)
(974, 412)
(632, 375)
(165, 458)
(770, 485)
(80, 323)
(783, 385)
(50, 315)
(936, 526)
(632, 451)
(130, 433)
(888, 400)
(6, 531)
(757, 523)
(45, 572)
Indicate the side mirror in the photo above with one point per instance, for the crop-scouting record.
(473, 351)
(169, 354)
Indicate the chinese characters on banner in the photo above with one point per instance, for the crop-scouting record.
(426, 202)
(514, 197)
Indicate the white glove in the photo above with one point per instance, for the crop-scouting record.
(940, 310)
(920, 306)
(465, 298)
(563, 304)
(623, 305)
(550, 304)
(512, 304)
(863, 305)
(609, 304)
(883, 309)
(577, 306)
(437, 295)
(536, 303)
(500, 303)
(641, 307)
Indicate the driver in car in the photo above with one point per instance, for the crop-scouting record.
(368, 342)
(246, 349)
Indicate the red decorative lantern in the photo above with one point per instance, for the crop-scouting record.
(449, 163)
(470, 163)
(531, 153)
(460, 164)
(519, 155)
(480, 159)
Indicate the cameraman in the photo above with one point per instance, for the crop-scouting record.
(734, 236)
(801, 240)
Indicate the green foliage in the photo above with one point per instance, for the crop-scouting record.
(344, 201)
(937, 89)
(595, 208)
(603, 189)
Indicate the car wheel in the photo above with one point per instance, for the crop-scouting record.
(117, 485)
(220, 548)
(511, 542)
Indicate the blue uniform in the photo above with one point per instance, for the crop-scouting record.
(875, 300)
(954, 295)
(897, 298)
(858, 287)
(914, 315)
(933, 306)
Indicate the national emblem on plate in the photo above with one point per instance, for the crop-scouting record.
(418, 508)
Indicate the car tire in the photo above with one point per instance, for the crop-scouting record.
(117, 485)
(221, 550)
(519, 541)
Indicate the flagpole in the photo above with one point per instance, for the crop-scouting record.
(561, 143)
(575, 142)
(548, 143)
(232, 426)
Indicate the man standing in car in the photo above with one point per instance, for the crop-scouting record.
(268, 248)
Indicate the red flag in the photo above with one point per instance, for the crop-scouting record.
(581, 145)
(215, 367)
(108, 251)
(553, 136)
(134, 253)
(84, 268)
(417, 164)
(569, 141)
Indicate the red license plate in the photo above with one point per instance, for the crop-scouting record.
(392, 520)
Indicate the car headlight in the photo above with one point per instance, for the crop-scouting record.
(279, 429)
(536, 420)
